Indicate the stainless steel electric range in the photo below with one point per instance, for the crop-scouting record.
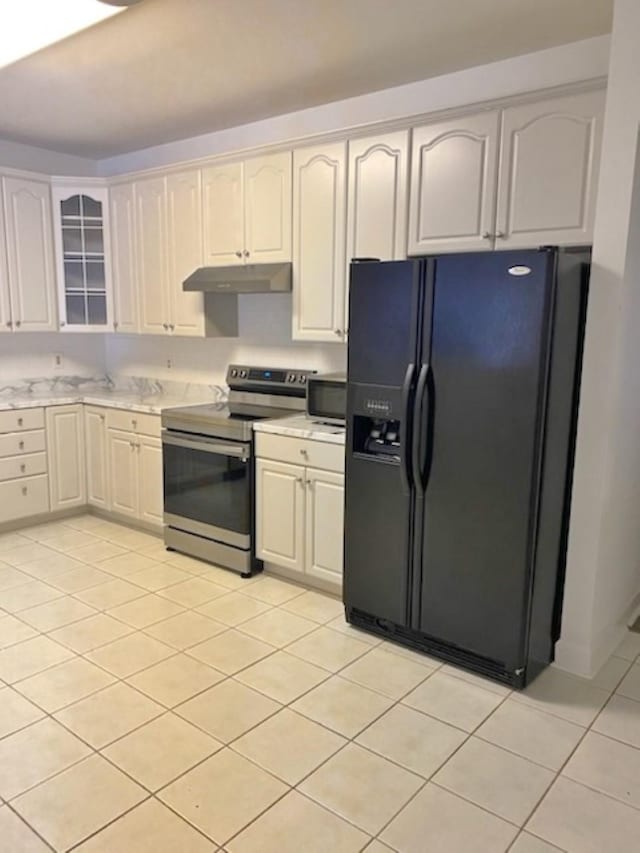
(208, 465)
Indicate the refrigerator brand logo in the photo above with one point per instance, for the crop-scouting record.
(519, 270)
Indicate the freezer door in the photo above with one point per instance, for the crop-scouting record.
(489, 344)
(383, 337)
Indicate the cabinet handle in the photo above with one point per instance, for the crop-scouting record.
(500, 235)
(304, 452)
(20, 421)
(115, 326)
(18, 324)
(62, 325)
(23, 468)
(165, 326)
(171, 326)
(9, 324)
(134, 423)
(132, 444)
(338, 332)
(300, 480)
(21, 445)
(310, 484)
(238, 254)
(102, 418)
(24, 490)
(486, 235)
(246, 253)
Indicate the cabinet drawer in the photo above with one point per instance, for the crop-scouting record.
(23, 466)
(17, 443)
(21, 419)
(21, 498)
(300, 451)
(133, 422)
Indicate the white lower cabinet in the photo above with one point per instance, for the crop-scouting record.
(123, 473)
(65, 448)
(135, 475)
(324, 525)
(299, 509)
(95, 439)
(150, 492)
(24, 484)
(280, 498)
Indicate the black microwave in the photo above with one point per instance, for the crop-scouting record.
(327, 397)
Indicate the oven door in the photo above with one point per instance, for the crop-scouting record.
(207, 487)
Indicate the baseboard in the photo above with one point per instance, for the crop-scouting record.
(303, 580)
(49, 517)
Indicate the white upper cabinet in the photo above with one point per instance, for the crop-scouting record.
(83, 257)
(5, 305)
(549, 171)
(247, 211)
(151, 254)
(319, 236)
(453, 184)
(267, 208)
(123, 269)
(223, 215)
(377, 197)
(28, 226)
(184, 251)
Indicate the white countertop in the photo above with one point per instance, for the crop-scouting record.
(151, 404)
(300, 426)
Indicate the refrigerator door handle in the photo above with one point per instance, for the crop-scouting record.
(405, 458)
(420, 425)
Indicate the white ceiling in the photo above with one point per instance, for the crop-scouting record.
(170, 69)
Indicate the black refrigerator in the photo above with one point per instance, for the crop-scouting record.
(463, 377)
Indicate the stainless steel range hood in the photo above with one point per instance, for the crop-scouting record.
(249, 278)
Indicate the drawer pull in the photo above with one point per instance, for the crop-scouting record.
(23, 468)
(304, 452)
(21, 445)
(20, 421)
(24, 490)
(134, 423)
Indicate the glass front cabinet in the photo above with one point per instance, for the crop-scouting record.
(81, 232)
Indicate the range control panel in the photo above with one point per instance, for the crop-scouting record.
(282, 380)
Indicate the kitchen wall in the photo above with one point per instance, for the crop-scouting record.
(557, 66)
(32, 355)
(603, 571)
(265, 338)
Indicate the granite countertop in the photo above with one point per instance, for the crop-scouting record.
(151, 404)
(300, 426)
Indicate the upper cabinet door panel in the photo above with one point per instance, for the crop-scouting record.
(30, 254)
(549, 171)
(5, 304)
(184, 245)
(223, 216)
(125, 286)
(453, 181)
(151, 252)
(319, 232)
(377, 197)
(267, 208)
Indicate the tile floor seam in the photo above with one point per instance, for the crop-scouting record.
(18, 815)
(525, 832)
(100, 829)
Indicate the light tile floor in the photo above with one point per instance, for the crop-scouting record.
(150, 703)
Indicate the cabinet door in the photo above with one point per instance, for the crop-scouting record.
(5, 304)
(123, 472)
(267, 208)
(95, 436)
(453, 185)
(83, 259)
(30, 255)
(223, 215)
(280, 497)
(151, 254)
(549, 171)
(123, 263)
(319, 220)
(184, 246)
(324, 534)
(150, 488)
(65, 450)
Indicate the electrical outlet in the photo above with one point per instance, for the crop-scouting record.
(57, 361)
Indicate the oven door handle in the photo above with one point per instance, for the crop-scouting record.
(238, 450)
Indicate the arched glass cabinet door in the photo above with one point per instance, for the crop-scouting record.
(83, 258)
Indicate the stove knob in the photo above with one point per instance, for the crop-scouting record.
(234, 372)
(292, 377)
(243, 374)
(302, 380)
